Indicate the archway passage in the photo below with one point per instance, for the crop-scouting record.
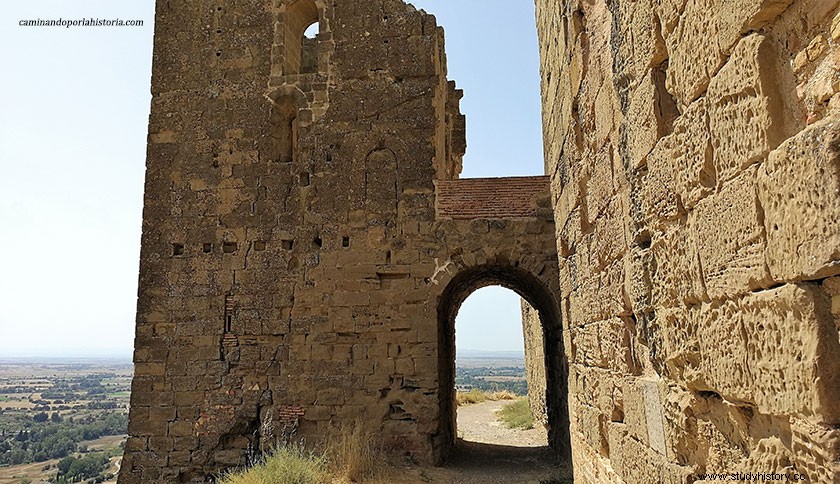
(494, 374)
(537, 294)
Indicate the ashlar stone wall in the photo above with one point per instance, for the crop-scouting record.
(694, 154)
(534, 362)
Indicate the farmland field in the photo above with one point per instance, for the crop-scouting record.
(65, 417)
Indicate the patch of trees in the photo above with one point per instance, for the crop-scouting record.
(47, 439)
(102, 405)
(20, 389)
(58, 397)
(519, 387)
(44, 416)
(467, 378)
(74, 469)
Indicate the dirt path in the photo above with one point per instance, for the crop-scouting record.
(478, 423)
(490, 453)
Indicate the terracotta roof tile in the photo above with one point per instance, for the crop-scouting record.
(473, 198)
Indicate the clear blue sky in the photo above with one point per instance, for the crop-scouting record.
(74, 105)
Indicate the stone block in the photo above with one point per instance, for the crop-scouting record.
(598, 388)
(150, 369)
(658, 193)
(634, 409)
(149, 460)
(694, 51)
(637, 279)
(605, 112)
(180, 428)
(799, 191)
(140, 427)
(590, 423)
(590, 465)
(641, 464)
(229, 458)
(162, 413)
(608, 242)
(653, 415)
(695, 175)
(736, 17)
(616, 433)
(161, 445)
(680, 348)
(677, 277)
(642, 46)
(698, 43)
(679, 410)
(730, 238)
(599, 296)
(776, 350)
(179, 458)
(136, 444)
(802, 374)
(649, 116)
(643, 412)
(603, 344)
(747, 106)
(600, 183)
(816, 451)
(189, 398)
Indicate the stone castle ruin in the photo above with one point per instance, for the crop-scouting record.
(307, 241)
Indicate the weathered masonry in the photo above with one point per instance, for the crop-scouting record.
(307, 241)
(694, 154)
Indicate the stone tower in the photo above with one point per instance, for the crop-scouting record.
(307, 241)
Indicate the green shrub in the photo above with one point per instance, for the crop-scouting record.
(517, 415)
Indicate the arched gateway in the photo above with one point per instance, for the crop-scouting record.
(307, 241)
(538, 291)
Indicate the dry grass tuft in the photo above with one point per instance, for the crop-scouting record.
(477, 396)
(350, 457)
(503, 395)
(290, 464)
(353, 456)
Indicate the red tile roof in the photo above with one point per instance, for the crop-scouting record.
(473, 198)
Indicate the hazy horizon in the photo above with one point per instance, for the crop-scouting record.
(465, 353)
